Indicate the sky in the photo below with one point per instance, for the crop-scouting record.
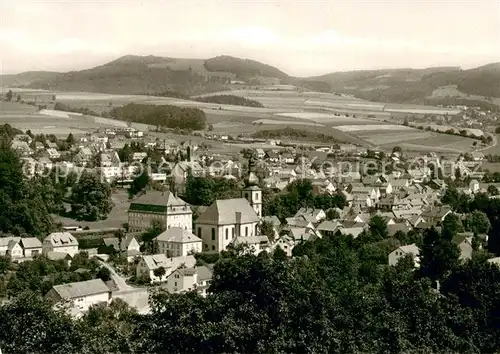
(302, 38)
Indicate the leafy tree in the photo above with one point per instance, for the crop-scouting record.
(493, 190)
(8, 95)
(452, 225)
(104, 274)
(5, 262)
(479, 223)
(91, 198)
(70, 139)
(332, 214)
(266, 228)
(438, 254)
(139, 183)
(157, 227)
(159, 272)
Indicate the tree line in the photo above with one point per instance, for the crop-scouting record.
(161, 116)
(230, 99)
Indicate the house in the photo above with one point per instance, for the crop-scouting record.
(31, 246)
(139, 156)
(177, 242)
(164, 206)
(402, 252)
(273, 156)
(323, 186)
(311, 214)
(275, 222)
(286, 243)
(224, 220)
(464, 244)
(83, 156)
(477, 156)
(255, 243)
(182, 169)
(436, 214)
(188, 279)
(398, 227)
(287, 158)
(128, 246)
(53, 154)
(353, 231)
(50, 144)
(329, 228)
(79, 296)
(260, 153)
(11, 246)
(61, 242)
(21, 147)
(149, 263)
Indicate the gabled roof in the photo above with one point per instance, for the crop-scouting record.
(223, 212)
(61, 239)
(81, 289)
(156, 201)
(328, 225)
(410, 249)
(273, 220)
(250, 240)
(177, 235)
(4, 241)
(393, 228)
(155, 261)
(113, 241)
(30, 242)
(204, 273)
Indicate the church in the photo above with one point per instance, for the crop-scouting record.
(227, 219)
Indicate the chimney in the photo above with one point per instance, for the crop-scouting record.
(238, 222)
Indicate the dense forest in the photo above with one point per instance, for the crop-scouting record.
(230, 99)
(295, 134)
(162, 116)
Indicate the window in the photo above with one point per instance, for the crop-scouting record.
(213, 234)
(199, 232)
(206, 246)
(256, 197)
(175, 284)
(213, 248)
(246, 230)
(233, 231)
(227, 234)
(246, 195)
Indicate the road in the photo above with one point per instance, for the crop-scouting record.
(119, 280)
(494, 142)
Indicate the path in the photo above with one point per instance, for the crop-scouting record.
(494, 142)
(119, 280)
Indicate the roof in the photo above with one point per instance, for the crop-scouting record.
(156, 201)
(56, 256)
(392, 229)
(4, 241)
(250, 240)
(81, 289)
(413, 249)
(272, 219)
(354, 231)
(204, 273)
(155, 261)
(113, 241)
(329, 225)
(62, 239)
(224, 212)
(178, 235)
(31, 242)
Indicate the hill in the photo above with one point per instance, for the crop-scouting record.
(27, 78)
(243, 68)
(413, 85)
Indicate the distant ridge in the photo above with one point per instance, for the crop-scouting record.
(133, 74)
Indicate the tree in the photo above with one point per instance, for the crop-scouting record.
(157, 227)
(479, 223)
(91, 198)
(8, 95)
(266, 228)
(70, 139)
(452, 225)
(210, 127)
(53, 98)
(18, 98)
(332, 214)
(104, 274)
(159, 272)
(139, 183)
(438, 254)
(493, 190)
(378, 228)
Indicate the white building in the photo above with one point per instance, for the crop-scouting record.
(256, 244)
(165, 206)
(149, 263)
(402, 252)
(223, 221)
(79, 296)
(188, 279)
(61, 242)
(177, 242)
(254, 196)
(31, 246)
(10, 246)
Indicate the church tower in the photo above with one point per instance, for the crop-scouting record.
(252, 192)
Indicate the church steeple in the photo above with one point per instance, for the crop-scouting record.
(252, 192)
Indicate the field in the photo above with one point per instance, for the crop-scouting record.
(345, 118)
(452, 91)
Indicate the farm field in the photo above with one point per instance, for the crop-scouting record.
(452, 91)
(439, 143)
(286, 122)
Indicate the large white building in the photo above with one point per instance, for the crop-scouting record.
(177, 242)
(225, 220)
(164, 206)
(61, 242)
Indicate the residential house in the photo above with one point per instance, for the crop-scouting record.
(329, 228)
(435, 214)
(53, 154)
(352, 231)
(323, 187)
(464, 244)
(224, 220)
(83, 156)
(21, 147)
(273, 156)
(50, 144)
(311, 214)
(286, 243)
(61, 242)
(182, 169)
(11, 246)
(164, 206)
(128, 246)
(149, 263)
(260, 153)
(256, 244)
(287, 158)
(177, 242)
(403, 227)
(275, 222)
(477, 156)
(412, 250)
(31, 246)
(139, 156)
(79, 296)
(188, 279)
